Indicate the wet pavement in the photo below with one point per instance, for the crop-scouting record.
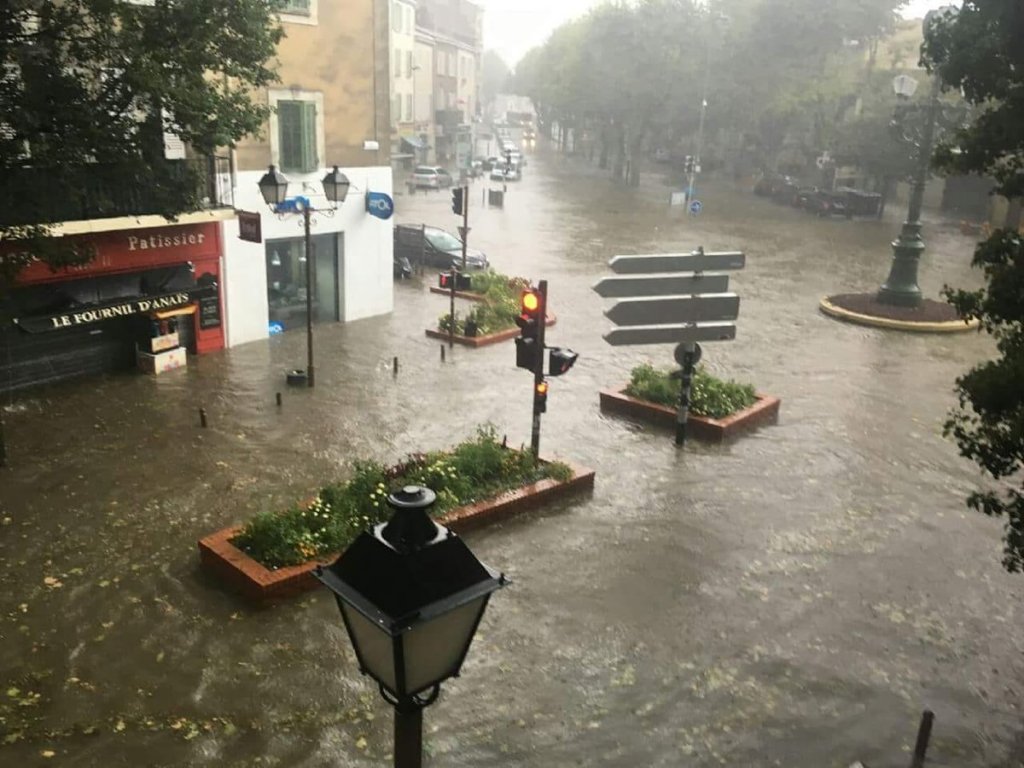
(793, 599)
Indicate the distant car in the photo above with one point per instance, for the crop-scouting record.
(824, 203)
(770, 183)
(431, 177)
(803, 195)
(434, 247)
(498, 172)
(489, 163)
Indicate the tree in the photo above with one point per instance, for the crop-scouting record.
(96, 83)
(979, 51)
(494, 76)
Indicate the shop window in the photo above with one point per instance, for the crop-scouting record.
(297, 7)
(286, 280)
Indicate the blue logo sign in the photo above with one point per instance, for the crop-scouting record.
(696, 206)
(380, 205)
(293, 205)
(276, 327)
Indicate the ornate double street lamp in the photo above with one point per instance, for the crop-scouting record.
(274, 188)
(900, 287)
(411, 595)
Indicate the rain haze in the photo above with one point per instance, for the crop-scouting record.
(512, 27)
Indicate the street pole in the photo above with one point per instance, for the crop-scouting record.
(309, 297)
(690, 191)
(900, 287)
(538, 369)
(408, 736)
(686, 354)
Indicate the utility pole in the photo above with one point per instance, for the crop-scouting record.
(540, 392)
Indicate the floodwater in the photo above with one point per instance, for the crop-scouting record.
(796, 598)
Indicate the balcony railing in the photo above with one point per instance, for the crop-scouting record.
(32, 195)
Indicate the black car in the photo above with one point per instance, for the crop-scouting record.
(824, 203)
(433, 247)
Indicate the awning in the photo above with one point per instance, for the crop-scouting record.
(415, 142)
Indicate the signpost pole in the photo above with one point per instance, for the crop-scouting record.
(688, 356)
(538, 369)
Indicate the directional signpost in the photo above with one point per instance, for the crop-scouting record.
(665, 307)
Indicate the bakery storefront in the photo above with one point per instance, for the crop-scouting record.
(147, 299)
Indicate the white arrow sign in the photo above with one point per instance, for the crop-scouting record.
(671, 334)
(668, 285)
(698, 261)
(676, 309)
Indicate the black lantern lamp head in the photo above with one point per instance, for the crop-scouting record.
(273, 187)
(411, 594)
(336, 186)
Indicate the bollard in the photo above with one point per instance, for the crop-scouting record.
(442, 353)
(278, 399)
(202, 418)
(395, 367)
(924, 735)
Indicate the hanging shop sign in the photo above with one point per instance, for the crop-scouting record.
(96, 314)
(380, 205)
(250, 227)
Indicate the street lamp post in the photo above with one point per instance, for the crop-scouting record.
(411, 595)
(274, 188)
(900, 287)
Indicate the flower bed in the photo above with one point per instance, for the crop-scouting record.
(493, 318)
(273, 556)
(719, 410)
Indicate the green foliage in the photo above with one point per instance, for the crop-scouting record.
(476, 469)
(99, 79)
(709, 396)
(499, 307)
(979, 50)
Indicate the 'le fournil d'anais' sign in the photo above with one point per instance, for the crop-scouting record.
(107, 312)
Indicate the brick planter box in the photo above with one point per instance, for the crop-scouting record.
(483, 341)
(261, 585)
(764, 411)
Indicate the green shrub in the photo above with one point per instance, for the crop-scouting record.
(474, 470)
(498, 309)
(709, 396)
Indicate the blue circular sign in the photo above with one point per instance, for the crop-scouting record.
(696, 206)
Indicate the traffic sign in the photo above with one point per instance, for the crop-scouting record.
(697, 261)
(676, 309)
(694, 351)
(671, 334)
(671, 285)
(696, 207)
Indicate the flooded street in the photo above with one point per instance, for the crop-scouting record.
(796, 598)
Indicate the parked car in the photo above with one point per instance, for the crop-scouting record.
(770, 184)
(498, 172)
(861, 203)
(824, 203)
(431, 176)
(785, 190)
(803, 195)
(434, 247)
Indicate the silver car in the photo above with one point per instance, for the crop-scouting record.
(431, 177)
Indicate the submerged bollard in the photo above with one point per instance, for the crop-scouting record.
(279, 399)
(202, 418)
(442, 353)
(395, 367)
(924, 735)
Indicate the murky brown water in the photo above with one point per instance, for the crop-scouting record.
(794, 599)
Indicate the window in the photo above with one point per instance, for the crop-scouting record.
(296, 122)
(396, 17)
(451, 65)
(408, 63)
(396, 109)
(440, 63)
(408, 108)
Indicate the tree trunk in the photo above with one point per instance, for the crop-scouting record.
(602, 162)
(620, 155)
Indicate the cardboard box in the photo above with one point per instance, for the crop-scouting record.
(161, 362)
(162, 343)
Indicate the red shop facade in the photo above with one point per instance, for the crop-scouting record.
(94, 318)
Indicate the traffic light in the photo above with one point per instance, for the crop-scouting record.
(529, 319)
(459, 201)
(689, 163)
(540, 396)
(560, 361)
(462, 282)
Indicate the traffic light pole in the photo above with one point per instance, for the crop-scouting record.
(538, 370)
(464, 232)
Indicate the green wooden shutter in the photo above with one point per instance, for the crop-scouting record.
(289, 129)
(310, 162)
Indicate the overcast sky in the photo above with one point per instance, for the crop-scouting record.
(512, 27)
